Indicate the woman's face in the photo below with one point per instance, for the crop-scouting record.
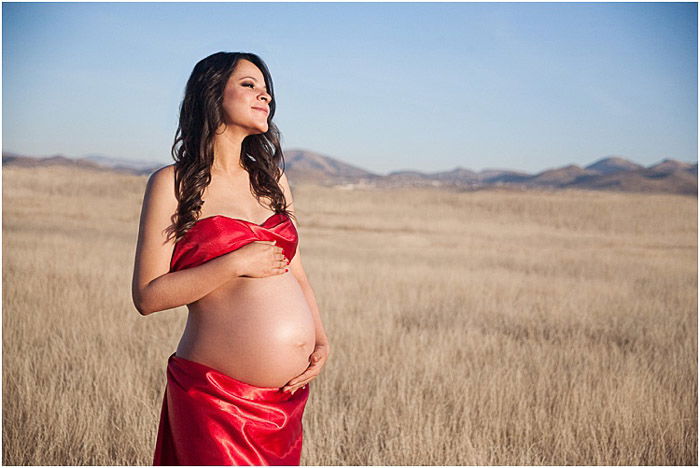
(246, 103)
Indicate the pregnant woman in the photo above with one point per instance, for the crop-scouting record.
(218, 233)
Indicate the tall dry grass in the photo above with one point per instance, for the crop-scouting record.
(467, 328)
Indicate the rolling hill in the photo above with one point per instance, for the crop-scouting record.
(610, 173)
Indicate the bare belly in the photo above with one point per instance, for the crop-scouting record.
(257, 330)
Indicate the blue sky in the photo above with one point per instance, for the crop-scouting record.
(384, 86)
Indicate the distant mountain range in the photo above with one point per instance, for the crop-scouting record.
(610, 173)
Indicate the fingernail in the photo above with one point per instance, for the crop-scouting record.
(286, 270)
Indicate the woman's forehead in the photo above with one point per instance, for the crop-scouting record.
(244, 67)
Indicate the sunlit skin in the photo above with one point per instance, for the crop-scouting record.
(265, 331)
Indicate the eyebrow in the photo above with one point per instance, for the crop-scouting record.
(251, 79)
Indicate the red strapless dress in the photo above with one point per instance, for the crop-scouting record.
(217, 235)
(208, 417)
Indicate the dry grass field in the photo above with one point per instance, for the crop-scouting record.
(492, 327)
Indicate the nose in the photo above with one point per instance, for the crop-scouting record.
(265, 97)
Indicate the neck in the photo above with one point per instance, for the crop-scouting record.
(227, 152)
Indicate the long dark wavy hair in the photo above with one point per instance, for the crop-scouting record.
(201, 114)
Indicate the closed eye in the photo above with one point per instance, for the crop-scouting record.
(251, 85)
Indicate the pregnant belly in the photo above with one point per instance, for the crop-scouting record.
(256, 330)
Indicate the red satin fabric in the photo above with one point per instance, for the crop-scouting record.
(217, 235)
(209, 418)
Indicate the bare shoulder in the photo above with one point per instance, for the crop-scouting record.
(160, 189)
(159, 201)
(163, 179)
(169, 170)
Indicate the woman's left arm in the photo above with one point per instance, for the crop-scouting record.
(318, 357)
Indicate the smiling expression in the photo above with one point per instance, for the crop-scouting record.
(246, 102)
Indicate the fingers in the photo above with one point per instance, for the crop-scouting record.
(276, 249)
(302, 380)
(280, 262)
(316, 360)
(310, 372)
(307, 377)
(299, 386)
(273, 259)
(280, 268)
(279, 253)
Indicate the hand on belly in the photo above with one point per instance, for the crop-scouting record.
(261, 332)
(270, 352)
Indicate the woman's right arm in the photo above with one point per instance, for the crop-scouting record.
(154, 287)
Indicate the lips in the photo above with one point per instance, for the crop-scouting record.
(266, 111)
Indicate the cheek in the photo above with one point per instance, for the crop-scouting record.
(234, 103)
(233, 95)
